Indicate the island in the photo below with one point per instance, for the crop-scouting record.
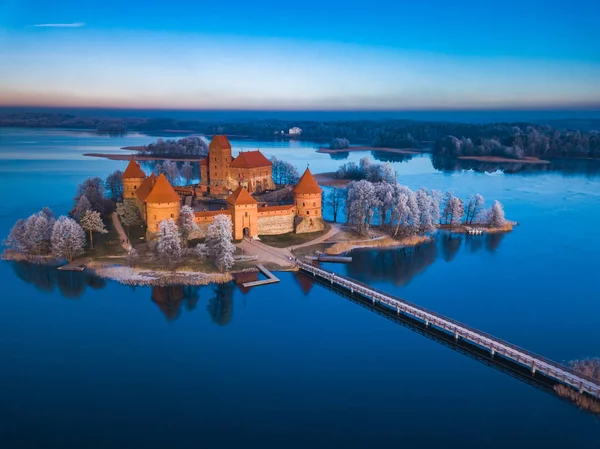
(247, 213)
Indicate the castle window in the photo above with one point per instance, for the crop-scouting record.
(134, 187)
(303, 204)
(172, 216)
(155, 217)
(307, 212)
(246, 214)
(314, 204)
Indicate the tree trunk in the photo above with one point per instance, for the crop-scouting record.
(91, 241)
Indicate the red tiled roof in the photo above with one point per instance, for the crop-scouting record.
(307, 184)
(221, 140)
(133, 170)
(251, 159)
(145, 187)
(162, 192)
(274, 208)
(241, 197)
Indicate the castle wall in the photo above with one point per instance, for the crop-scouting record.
(203, 221)
(275, 223)
(256, 179)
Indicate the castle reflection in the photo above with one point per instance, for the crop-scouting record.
(398, 266)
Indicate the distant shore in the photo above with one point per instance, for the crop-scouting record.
(126, 157)
(327, 150)
(504, 160)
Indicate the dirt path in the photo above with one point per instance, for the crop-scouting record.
(265, 253)
(335, 228)
(122, 235)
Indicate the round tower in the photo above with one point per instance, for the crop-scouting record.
(132, 179)
(307, 196)
(162, 203)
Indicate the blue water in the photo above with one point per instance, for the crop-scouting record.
(96, 364)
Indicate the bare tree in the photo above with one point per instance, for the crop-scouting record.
(335, 200)
(219, 238)
(114, 185)
(68, 238)
(187, 225)
(187, 172)
(129, 214)
(474, 207)
(168, 243)
(496, 216)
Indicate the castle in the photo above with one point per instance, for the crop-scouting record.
(157, 200)
(220, 173)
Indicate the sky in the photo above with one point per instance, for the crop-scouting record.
(309, 55)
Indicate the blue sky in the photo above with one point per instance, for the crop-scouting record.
(387, 55)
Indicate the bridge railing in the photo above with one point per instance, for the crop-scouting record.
(352, 282)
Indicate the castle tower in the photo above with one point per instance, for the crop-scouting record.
(308, 201)
(219, 162)
(162, 203)
(132, 179)
(244, 214)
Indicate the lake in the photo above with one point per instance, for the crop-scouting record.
(95, 364)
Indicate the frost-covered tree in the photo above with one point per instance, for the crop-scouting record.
(413, 223)
(17, 239)
(168, 244)
(171, 172)
(425, 205)
(454, 209)
(496, 215)
(385, 198)
(335, 200)
(82, 206)
(201, 251)
(92, 222)
(38, 230)
(436, 206)
(129, 214)
(187, 172)
(186, 223)
(474, 207)
(114, 186)
(400, 208)
(68, 238)
(219, 243)
(361, 204)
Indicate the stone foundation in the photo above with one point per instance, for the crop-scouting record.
(307, 224)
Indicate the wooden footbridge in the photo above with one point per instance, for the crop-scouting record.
(496, 347)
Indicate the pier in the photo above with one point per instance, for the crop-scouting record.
(271, 279)
(327, 258)
(460, 332)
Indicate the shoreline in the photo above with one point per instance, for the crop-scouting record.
(327, 150)
(328, 179)
(377, 243)
(126, 157)
(504, 160)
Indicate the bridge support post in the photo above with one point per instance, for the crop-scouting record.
(492, 351)
(533, 368)
(426, 323)
(397, 310)
(456, 336)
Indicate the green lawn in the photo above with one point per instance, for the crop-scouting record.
(285, 240)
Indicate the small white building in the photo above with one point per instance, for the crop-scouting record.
(295, 131)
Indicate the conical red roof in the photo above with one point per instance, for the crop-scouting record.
(133, 170)
(307, 184)
(240, 197)
(162, 192)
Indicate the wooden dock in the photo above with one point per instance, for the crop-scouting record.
(327, 258)
(76, 265)
(271, 279)
(459, 331)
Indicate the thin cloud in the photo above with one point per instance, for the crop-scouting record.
(59, 25)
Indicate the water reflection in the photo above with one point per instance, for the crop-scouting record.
(339, 156)
(590, 168)
(383, 156)
(169, 299)
(220, 306)
(70, 284)
(400, 266)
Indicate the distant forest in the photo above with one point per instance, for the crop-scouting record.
(568, 138)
